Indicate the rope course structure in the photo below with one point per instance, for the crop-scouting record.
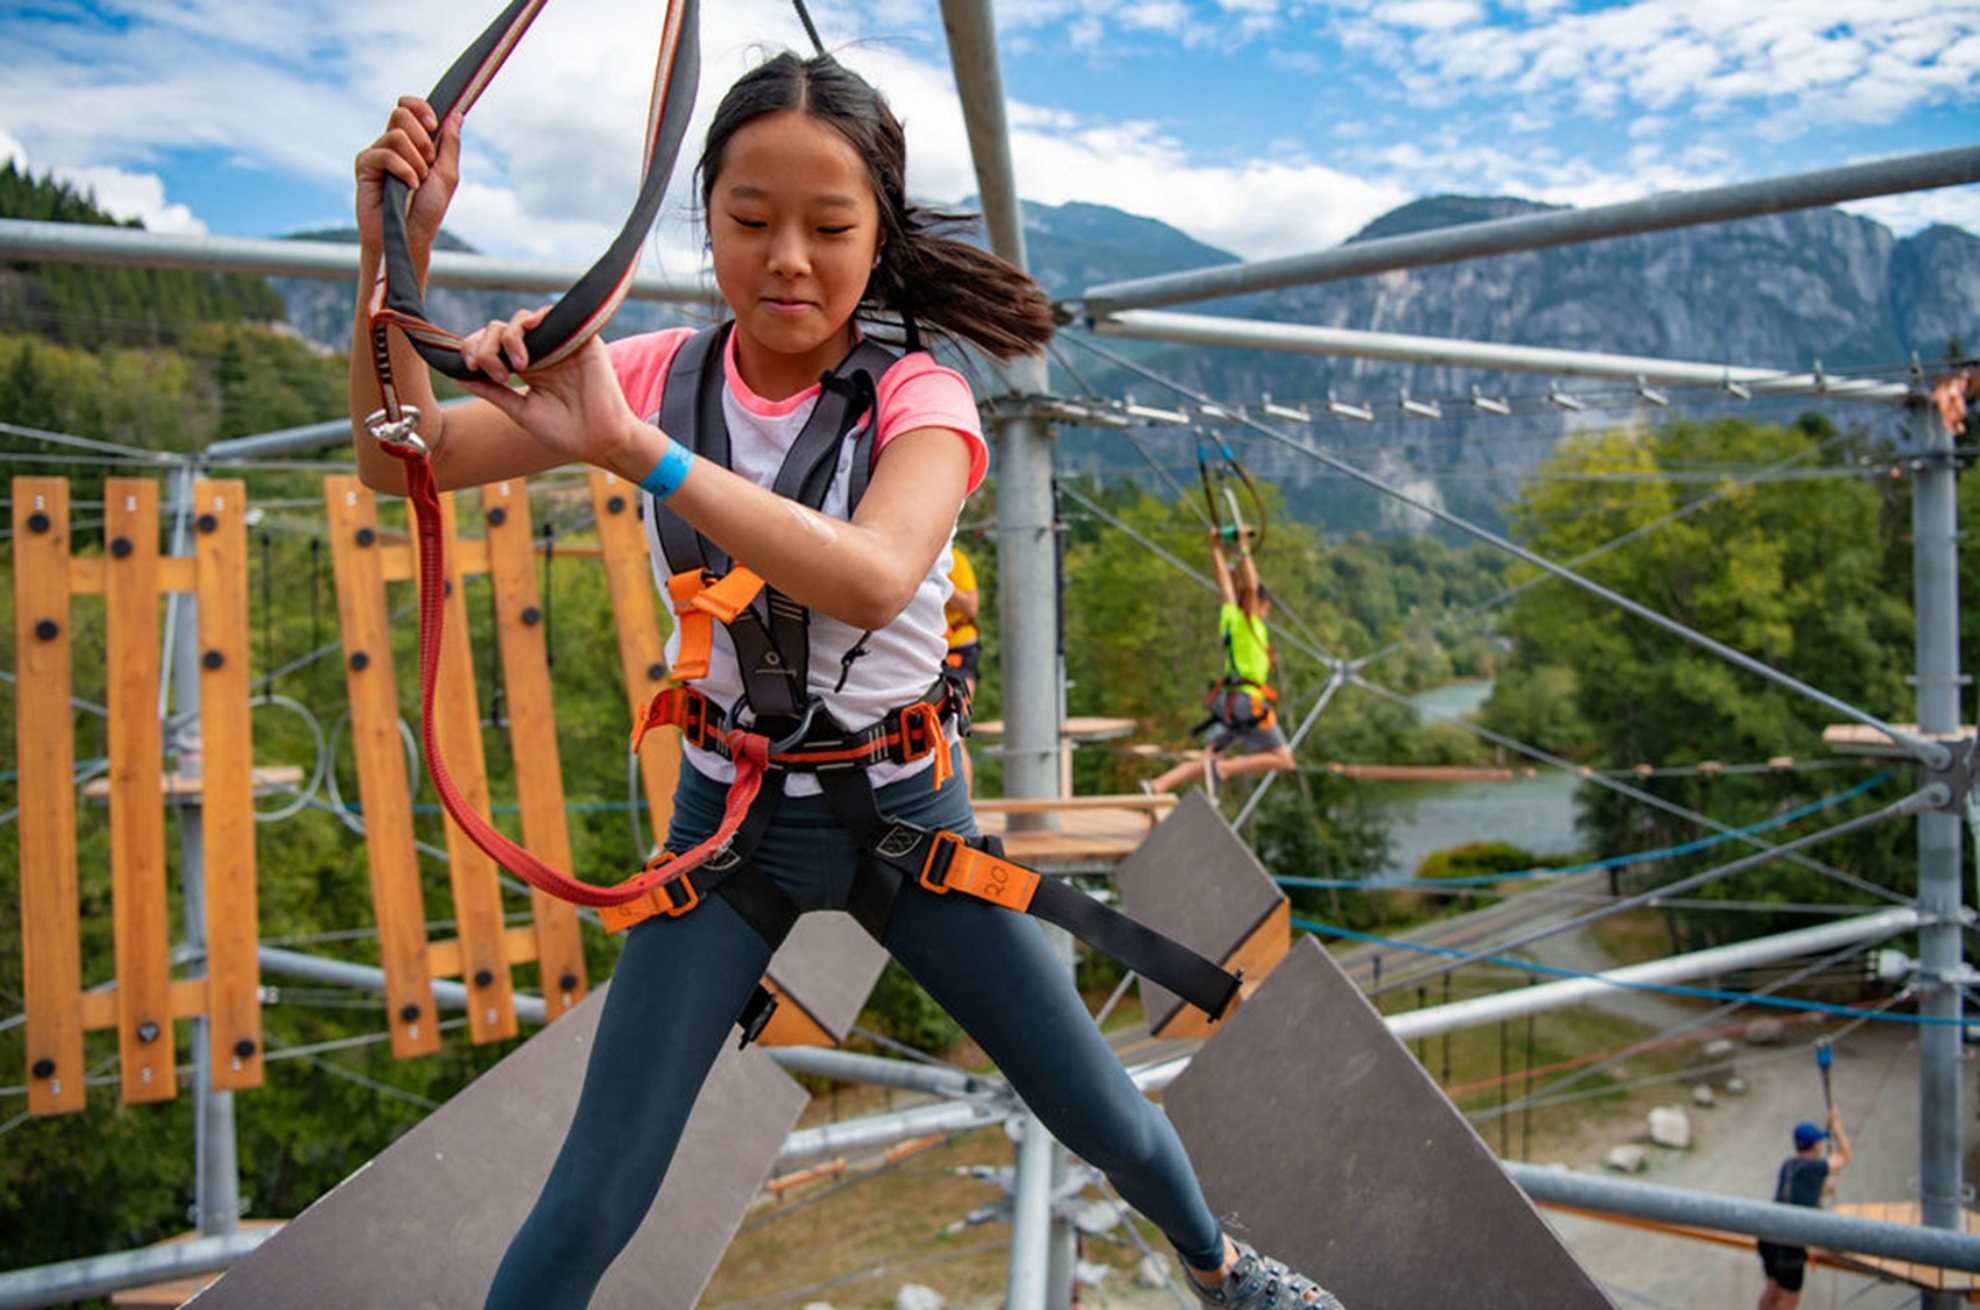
(488, 941)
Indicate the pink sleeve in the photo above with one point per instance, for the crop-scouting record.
(642, 362)
(919, 393)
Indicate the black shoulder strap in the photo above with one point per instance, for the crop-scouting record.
(772, 638)
(694, 389)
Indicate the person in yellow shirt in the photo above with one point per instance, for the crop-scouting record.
(965, 641)
(1241, 703)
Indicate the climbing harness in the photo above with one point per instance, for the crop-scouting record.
(777, 726)
(1224, 478)
(1239, 705)
(770, 634)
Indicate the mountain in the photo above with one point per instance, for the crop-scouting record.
(1786, 291)
(321, 309)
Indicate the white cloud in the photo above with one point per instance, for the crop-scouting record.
(137, 195)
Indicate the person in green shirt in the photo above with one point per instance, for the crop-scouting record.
(1242, 735)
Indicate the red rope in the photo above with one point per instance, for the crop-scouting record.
(750, 751)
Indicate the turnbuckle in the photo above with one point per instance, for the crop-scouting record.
(401, 432)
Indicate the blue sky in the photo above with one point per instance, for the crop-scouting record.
(1265, 127)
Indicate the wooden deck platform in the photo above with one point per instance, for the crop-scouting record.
(1093, 832)
(1924, 1276)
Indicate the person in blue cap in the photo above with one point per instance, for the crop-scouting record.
(1819, 1155)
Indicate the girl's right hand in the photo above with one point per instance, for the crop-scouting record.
(425, 154)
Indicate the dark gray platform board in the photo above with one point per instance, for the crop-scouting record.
(1325, 1143)
(424, 1224)
(1193, 879)
(828, 966)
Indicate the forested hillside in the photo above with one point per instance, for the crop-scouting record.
(80, 305)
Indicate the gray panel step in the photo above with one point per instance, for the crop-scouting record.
(425, 1223)
(1325, 1144)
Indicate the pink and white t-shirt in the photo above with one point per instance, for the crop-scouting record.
(900, 660)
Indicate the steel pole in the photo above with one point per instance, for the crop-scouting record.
(1028, 615)
(1554, 228)
(1798, 1225)
(1935, 603)
(88, 243)
(216, 1169)
(1453, 352)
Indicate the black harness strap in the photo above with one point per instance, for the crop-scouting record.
(773, 637)
(902, 856)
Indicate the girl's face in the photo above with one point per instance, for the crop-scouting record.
(794, 227)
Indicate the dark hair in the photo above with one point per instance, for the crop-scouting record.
(925, 278)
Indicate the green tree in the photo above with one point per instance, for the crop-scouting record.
(1796, 573)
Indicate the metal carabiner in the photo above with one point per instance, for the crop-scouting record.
(401, 432)
(790, 740)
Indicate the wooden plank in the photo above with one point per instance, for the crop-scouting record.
(45, 755)
(1255, 957)
(179, 786)
(174, 574)
(227, 780)
(642, 651)
(519, 630)
(396, 899)
(146, 1044)
(425, 1223)
(471, 873)
(445, 954)
(99, 1004)
(1157, 804)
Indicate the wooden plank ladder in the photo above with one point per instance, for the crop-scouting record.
(144, 1001)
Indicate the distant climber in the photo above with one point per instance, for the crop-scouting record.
(1802, 1179)
(964, 638)
(1242, 733)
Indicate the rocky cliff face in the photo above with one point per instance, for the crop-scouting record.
(1786, 291)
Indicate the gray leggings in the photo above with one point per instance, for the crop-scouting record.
(680, 983)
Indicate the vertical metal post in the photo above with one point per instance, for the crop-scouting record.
(1028, 638)
(1028, 618)
(216, 1176)
(1935, 601)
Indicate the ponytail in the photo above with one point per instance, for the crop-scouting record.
(936, 281)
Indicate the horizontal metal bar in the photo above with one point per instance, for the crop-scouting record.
(447, 994)
(1304, 339)
(91, 243)
(1501, 236)
(1481, 1010)
(80, 1280)
(853, 1067)
(1795, 1225)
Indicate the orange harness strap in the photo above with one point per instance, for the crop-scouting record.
(698, 603)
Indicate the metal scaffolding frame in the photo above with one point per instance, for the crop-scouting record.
(1040, 1271)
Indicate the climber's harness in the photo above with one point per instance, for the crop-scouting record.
(770, 633)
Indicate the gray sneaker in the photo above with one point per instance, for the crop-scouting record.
(1258, 1282)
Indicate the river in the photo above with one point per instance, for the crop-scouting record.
(1536, 814)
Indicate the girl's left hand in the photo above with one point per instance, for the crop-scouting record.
(574, 408)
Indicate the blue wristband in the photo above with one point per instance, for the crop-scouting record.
(669, 473)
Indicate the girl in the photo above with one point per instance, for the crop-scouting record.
(802, 185)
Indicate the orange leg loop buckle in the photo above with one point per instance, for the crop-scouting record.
(954, 865)
(672, 898)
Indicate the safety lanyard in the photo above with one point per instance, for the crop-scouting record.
(397, 302)
(1220, 496)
